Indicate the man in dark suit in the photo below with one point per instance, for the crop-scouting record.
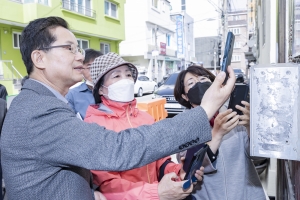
(47, 151)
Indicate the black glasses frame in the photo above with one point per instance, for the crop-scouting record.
(80, 50)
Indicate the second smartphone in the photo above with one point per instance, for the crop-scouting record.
(227, 54)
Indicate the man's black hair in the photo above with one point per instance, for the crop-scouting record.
(91, 54)
(37, 34)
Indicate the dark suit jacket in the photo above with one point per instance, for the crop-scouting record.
(47, 150)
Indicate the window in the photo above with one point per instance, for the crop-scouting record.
(104, 48)
(155, 3)
(44, 2)
(111, 9)
(235, 31)
(146, 78)
(182, 4)
(84, 44)
(236, 58)
(168, 38)
(79, 6)
(16, 40)
(236, 45)
(236, 17)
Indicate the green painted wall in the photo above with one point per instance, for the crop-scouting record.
(15, 16)
(102, 26)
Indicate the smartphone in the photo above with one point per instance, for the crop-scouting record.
(240, 93)
(227, 54)
(195, 164)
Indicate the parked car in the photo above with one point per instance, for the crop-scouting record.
(163, 80)
(239, 75)
(166, 90)
(144, 85)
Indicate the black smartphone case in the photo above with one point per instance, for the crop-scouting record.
(196, 162)
(240, 93)
(227, 54)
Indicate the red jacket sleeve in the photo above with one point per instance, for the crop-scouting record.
(170, 167)
(114, 187)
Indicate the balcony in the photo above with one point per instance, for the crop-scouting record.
(78, 8)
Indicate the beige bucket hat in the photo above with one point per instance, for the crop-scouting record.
(107, 62)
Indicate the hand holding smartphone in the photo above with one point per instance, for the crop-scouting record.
(239, 94)
(192, 166)
(227, 54)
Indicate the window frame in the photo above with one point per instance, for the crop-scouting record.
(109, 9)
(168, 40)
(153, 4)
(236, 45)
(79, 40)
(18, 38)
(234, 58)
(233, 30)
(103, 50)
(42, 2)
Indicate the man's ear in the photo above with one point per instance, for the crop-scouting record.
(37, 59)
(185, 97)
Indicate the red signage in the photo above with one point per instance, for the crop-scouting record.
(162, 48)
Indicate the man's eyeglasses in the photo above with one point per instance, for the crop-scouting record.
(70, 47)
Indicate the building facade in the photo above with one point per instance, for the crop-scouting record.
(97, 24)
(185, 38)
(150, 41)
(207, 51)
(237, 24)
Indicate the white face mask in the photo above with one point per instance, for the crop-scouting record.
(122, 91)
(90, 83)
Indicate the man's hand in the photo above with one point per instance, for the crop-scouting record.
(199, 173)
(217, 94)
(169, 189)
